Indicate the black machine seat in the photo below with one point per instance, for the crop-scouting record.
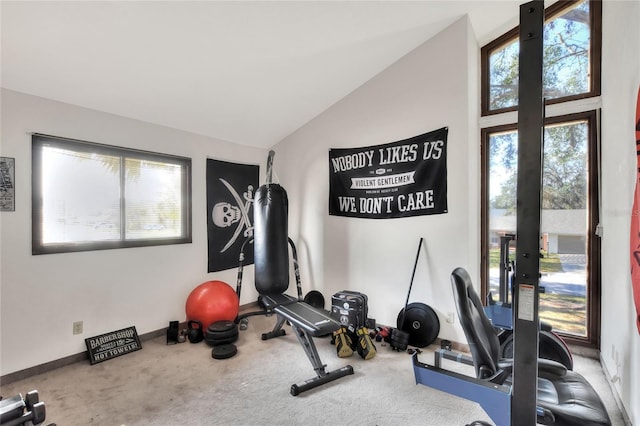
(565, 394)
(572, 400)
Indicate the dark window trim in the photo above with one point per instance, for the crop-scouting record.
(593, 241)
(39, 140)
(595, 8)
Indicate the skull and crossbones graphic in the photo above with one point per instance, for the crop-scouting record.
(225, 214)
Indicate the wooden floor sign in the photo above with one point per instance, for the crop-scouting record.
(635, 224)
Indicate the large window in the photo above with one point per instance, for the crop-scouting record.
(571, 52)
(569, 245)
(88, 196)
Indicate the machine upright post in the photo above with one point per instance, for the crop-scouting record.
(505, 267)
(529, 194)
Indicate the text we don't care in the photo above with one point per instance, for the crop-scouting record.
(399, 179)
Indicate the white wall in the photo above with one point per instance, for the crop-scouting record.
(41, 296)
(432, 87)
(620, 341)
(437, 85)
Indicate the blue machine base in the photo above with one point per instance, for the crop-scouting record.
(494, 399)
(500, 316)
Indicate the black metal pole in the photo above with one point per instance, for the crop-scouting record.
(530, 149)
(505, 266)
(413, 274)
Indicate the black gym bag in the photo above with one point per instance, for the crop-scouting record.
(350, 308)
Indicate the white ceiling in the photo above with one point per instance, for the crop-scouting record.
(245, 72)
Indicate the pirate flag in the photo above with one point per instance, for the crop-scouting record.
(230, 189)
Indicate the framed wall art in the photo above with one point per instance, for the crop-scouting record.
(7, 184)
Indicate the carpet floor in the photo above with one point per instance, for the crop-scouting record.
(182, 384)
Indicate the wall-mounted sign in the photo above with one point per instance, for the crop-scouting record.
(7, 184)
(398, 179)
(230, 188)
(113, 344)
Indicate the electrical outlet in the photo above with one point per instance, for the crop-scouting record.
(77, 327)
(451, 317)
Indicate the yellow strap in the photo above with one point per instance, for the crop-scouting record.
(362, 331)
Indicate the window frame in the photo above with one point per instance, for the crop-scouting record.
(37, 245)
(592, 339)
(595, 25)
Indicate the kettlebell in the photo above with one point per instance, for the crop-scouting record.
(195, 334)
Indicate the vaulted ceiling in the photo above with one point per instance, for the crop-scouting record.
(249, 72)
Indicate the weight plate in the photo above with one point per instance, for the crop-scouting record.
(221, 326)
(214, 335)
(219, 342)
(315, 299)
(224, 351)
(421, 322)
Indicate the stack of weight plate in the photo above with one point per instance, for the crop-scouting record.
(221, 335)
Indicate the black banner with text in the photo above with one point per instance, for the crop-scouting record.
(398, 179)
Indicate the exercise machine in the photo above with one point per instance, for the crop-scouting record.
(500, 312)
(271, 260)
(524, 390)
(563, 397)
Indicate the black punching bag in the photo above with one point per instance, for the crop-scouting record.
(270, 239)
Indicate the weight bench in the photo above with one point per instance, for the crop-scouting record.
(307, 322)
(271, 259)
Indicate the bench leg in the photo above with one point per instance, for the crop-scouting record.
(312, 353)
(277, 330)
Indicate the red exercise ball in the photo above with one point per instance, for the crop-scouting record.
(212, 301)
